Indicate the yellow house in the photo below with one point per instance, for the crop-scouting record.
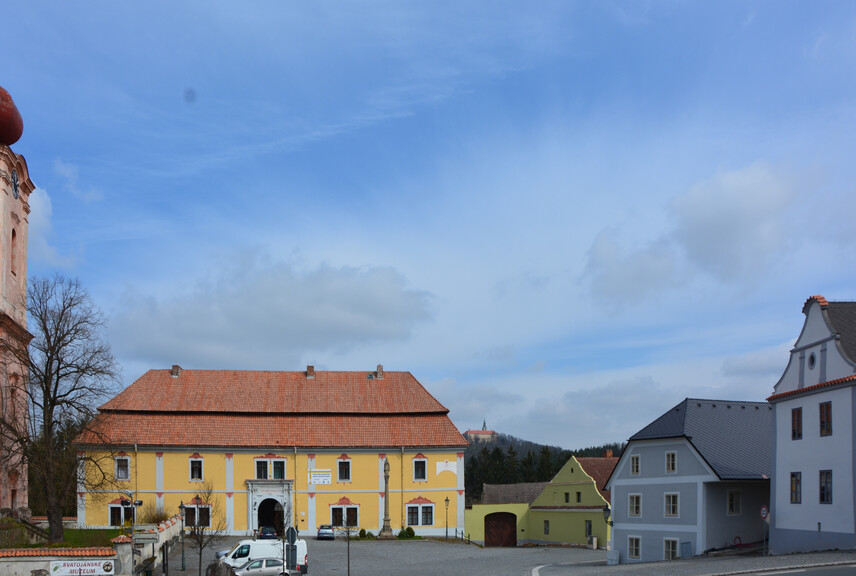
(279, 449)
(566, 510)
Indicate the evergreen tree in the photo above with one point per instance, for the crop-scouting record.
(545, 465)
(512, 466)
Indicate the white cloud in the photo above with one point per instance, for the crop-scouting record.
(730, 225)
(70, 173)
(620, 277)
(269, 316)
(40, 231)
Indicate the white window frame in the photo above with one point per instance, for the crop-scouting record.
(635, 465)
(638, 547)
(738, 500)
(344, 515)
(121, 511)
(273, 463)
(425, 462)
(269, 468)
(190, 462)
(338, 470)
(420, 514)
(127, 460)
(674, 462)
(630, 505)
(666, 511)
(677, 548)
(195, 508)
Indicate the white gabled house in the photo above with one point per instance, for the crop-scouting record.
(814, 507)
(693, 480)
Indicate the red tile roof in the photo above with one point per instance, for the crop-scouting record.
(600, 469)
(809, 389)
(247, 391)
(99, 552)
(235, 408)
(273, 431)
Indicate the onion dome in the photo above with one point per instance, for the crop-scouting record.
(11, 123)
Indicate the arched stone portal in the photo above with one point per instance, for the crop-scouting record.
(271, 514)
(270, 504)
(500, 529)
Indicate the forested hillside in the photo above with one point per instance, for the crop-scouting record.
(509, 460)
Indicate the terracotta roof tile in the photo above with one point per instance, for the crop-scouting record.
(272, 430)
(809, 389)
(249, 391)
(600, 469)
(57, 552)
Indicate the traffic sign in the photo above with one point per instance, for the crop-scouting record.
(764, 512)
(291, 535)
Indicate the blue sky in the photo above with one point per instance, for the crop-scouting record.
(562, 218)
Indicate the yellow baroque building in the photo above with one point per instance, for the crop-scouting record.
(277, 449)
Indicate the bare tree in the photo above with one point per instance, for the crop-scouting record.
(204, 520)
(69, 369)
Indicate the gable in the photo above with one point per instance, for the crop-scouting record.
(825, 347)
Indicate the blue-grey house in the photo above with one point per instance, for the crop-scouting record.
(695, 479)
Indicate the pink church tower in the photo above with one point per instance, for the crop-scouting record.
(15, 189)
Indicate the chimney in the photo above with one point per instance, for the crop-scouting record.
(607, 453)
(176, 371)
(310, 372)
(380, 371)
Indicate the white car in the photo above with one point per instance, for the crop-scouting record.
(246, 551)
(261, 567)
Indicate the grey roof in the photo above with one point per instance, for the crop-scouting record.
(735, 438)
(520, 493)
(842, 316)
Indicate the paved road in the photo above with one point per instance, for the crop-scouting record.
(424, 557)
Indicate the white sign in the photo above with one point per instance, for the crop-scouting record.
(764, 512)
(81, 568)
(320, 476)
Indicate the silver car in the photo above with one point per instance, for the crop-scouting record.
(262, 567)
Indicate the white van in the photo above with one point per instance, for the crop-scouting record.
(247, 550)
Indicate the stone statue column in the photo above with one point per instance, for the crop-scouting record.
(386, 531)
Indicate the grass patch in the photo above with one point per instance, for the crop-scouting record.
(87, 538)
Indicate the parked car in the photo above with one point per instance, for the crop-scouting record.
(267, 533)
(325, 532)
(261, 567)
(249, 550)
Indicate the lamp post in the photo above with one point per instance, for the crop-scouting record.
(181, 513)
(447, 517)
(611, 554)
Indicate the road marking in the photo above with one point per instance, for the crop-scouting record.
(781, 572)
(537, 570)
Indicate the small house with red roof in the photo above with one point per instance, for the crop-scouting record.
(813, 485)
(566, 510)
(279, 449)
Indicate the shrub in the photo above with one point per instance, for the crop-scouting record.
(410, 532)
(152, 514)
(362, 532)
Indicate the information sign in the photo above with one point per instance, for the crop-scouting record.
(82, 567)
(320, 477)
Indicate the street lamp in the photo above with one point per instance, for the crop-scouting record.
(181, 513)
(447, 517)
(607, 512)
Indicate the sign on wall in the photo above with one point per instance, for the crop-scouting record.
(320, 476)
(81, 567)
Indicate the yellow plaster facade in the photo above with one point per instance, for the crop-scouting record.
(245, 499)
